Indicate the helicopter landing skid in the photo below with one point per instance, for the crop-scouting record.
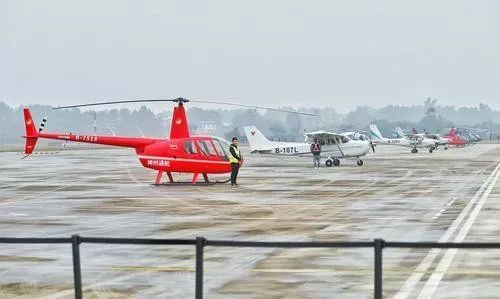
(193, 182)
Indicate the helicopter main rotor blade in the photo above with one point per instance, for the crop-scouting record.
(123, 102)
(181, 100)
(251, 106)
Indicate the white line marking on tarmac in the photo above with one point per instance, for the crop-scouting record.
(433, 281)
(18, 214)
(407, 289)
(436, 216)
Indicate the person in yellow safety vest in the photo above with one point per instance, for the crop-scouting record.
(316, 151)
(235, 159)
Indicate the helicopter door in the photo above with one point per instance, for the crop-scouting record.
(206, 148)
(221, 150)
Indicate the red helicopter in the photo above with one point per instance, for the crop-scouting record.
(180, 153)
(456, 140)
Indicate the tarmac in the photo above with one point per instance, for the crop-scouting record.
(451, 195)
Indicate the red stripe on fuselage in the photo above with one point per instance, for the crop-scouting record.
(171, 164)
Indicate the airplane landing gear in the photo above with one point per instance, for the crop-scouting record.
(445, 148)
(431, 150)
(329, 162)
(414, 150)
(360, 162)
(336, 162)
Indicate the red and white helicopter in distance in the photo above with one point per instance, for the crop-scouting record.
(456, 140)
(181, 153)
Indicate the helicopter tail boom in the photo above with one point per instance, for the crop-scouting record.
(123, 141)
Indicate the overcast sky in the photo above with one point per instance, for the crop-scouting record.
(300, 53)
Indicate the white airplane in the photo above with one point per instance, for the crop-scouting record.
(334, 146)
(438, 139)
(413, 141)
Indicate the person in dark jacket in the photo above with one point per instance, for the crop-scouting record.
(235, 159)
(316, 151)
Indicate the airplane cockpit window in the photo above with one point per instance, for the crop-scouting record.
(336, 139)
(332, 140)
(190, 148)
(329, 141)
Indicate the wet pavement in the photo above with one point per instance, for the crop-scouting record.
(445, 196)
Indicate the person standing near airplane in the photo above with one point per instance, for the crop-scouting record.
(316, 151)
(235, 159)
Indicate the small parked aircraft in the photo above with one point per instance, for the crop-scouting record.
(456, 140)
(334, 146)
(413, 141)
(438, 139)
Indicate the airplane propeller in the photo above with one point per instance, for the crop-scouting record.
(181, 101)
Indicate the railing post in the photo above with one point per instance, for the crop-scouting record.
(77, 271)
(379, 245)
(200, 244)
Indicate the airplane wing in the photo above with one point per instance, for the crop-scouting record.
(323, 135)
(415, 136)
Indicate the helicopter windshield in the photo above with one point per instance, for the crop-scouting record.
(222, 146)
(213, 147)
(206, 148)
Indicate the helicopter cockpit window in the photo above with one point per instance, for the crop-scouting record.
(222, 147)
(206, 148)
(190, 148)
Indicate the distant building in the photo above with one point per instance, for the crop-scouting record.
(206, 127)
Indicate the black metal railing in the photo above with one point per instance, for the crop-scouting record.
(200, 243)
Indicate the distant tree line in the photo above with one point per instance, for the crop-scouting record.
(227, 123)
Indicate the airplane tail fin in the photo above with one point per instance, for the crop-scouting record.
(31, 133)
(256, 139)
(375, 133)
(400, 133)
